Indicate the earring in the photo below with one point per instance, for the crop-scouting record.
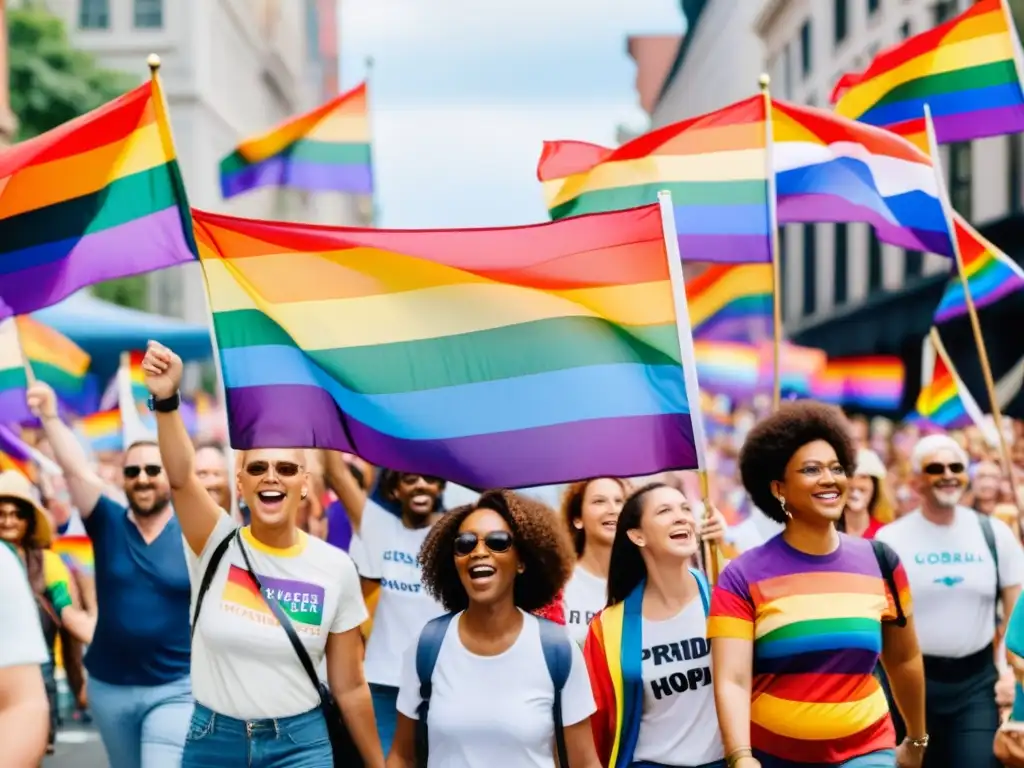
(786, 512)
(303, 493)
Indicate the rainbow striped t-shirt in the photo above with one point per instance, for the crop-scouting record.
(815, 622)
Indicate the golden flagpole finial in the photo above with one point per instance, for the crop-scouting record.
(153, 61)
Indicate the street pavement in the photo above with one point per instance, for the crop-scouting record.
(77, 747)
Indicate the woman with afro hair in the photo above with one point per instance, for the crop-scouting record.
(798, 624)
(491, 564)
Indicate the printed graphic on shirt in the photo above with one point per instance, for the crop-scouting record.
(301, 601)
(691, 650)
(580, 618)
(401, 558)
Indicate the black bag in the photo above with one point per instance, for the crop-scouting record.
(346, 755)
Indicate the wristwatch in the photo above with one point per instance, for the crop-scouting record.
(921, 743)
(165, 405)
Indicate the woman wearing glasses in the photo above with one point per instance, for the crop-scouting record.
(492, 700)
(255, 703)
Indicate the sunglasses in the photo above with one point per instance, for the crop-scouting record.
(937, 468)
(152, 470)
(281, 468)
(496, 541)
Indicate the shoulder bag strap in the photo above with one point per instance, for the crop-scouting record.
(558, 657)
(890, 579)
(990, 541)
(283, 620)
(705, 589)
(208, 574)
(428, 647)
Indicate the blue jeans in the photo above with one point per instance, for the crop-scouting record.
(385, 711)
(884, 758)
(646, 764)
(219, 741)
(142, 726)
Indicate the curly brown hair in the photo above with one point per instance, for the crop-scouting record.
(772, 442)
(572, 508)
(541, 543)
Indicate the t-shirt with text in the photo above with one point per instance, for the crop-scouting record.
(816, 625)
(585, 596)
(388, 552)
(243, 664)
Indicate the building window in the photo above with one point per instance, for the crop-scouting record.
(787, 71)
(806, 61)
(810, 270)
(840, 19)
(960, 178)
(1016, 155)
(94, 14)
(914, 265)
(874, 264)
(873, 6)
(149, 14)
(943, 11)
(839, 293)
(905, 30)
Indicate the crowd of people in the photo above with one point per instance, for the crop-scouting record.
(337, 613)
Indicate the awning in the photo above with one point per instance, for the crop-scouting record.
(105, 330)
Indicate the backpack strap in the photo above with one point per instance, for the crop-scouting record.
(890, 579)
(208, 574)
(705, 589)
(428, 648)
(990, 541)
(558, 657)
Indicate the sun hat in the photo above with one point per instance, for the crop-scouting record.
(16, 487)
(869, 463)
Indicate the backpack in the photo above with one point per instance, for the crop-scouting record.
(557, 656)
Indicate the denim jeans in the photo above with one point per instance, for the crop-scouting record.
(142, 726)
(219, 741)
(385, 711)
(884, 758)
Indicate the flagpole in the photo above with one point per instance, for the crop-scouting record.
(684, 336)
(773, 226)
(369, 122)
(972, 312)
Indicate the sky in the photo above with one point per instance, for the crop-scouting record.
(462, 98)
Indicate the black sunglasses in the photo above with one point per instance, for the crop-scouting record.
(132, 471)
(937, 468)
(281, 468)
(496, 541)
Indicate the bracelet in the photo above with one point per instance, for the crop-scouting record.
(736, 755)
(921, 743)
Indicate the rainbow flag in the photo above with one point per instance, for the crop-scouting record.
(446, 352)
(15, 454)
(97, 198)
(829, 168)
(326, 150)
(76, 552)
(964, 70)
(54, 357)
(726, 368)
(137, 376)
(990, 273)
(944, 401)
(715, 166)
(731, 303)
(13, 378)
(871, 382)
(798, 367)
(103, 430)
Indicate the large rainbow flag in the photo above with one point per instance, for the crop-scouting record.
(715, 166)
(325, 150)
(97, 198)
(504, 357)
(731, 302)
(964, 70)
(13, 377)
(829, 168)
(54, 357)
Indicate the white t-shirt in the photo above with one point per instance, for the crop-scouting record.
(495, 710)
(585, 595)
(952, 578)
(680, 722)
(389, 553)
(21, 636)
(243, 665)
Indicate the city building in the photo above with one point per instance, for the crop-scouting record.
(230, 68)
(843, 290)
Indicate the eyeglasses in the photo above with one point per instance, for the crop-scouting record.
(937, 468)
(281, 468)
(496, 541)
(18, 513)
(132, 471)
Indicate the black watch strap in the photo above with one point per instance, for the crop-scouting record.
(166, 405)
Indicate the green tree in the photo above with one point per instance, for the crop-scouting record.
(53, 82)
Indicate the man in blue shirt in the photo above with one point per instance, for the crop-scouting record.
(138, 663)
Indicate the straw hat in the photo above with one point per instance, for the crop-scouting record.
(16, 487)
(870, 464)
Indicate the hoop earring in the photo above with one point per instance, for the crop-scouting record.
(786, 512)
